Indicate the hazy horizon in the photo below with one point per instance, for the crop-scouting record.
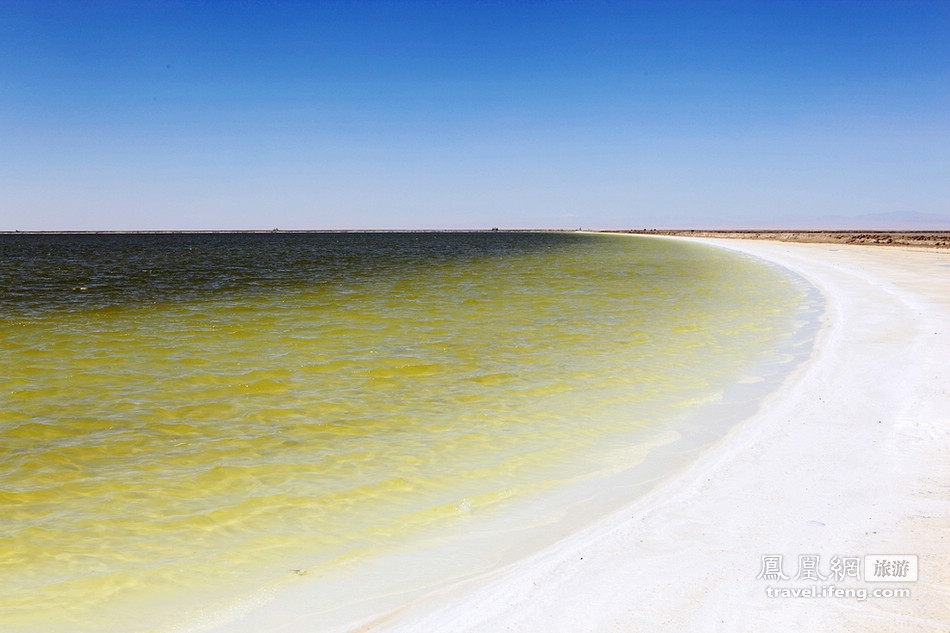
(406, 116)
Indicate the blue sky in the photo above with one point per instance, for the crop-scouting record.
(322, 115)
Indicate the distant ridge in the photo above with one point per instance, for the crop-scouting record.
(927, 239)
(890, 221)
(901, 221)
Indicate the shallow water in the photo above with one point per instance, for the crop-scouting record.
(187, 417)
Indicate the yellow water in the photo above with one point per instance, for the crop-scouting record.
(177, 448)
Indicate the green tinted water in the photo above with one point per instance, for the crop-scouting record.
(190, 417)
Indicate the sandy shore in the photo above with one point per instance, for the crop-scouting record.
(850, 458)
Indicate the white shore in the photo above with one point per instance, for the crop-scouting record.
(849, 458)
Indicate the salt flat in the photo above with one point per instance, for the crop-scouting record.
(848, 459)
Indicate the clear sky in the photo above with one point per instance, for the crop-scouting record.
(319, 115)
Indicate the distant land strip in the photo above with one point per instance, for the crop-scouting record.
(928, 239)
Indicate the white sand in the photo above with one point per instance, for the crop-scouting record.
(849, 458)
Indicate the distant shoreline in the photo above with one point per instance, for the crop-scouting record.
(929, 239)
(921, 238)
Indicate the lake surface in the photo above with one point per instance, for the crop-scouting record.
(188, 417)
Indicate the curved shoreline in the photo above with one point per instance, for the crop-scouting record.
(364, 592)
(847, 459)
